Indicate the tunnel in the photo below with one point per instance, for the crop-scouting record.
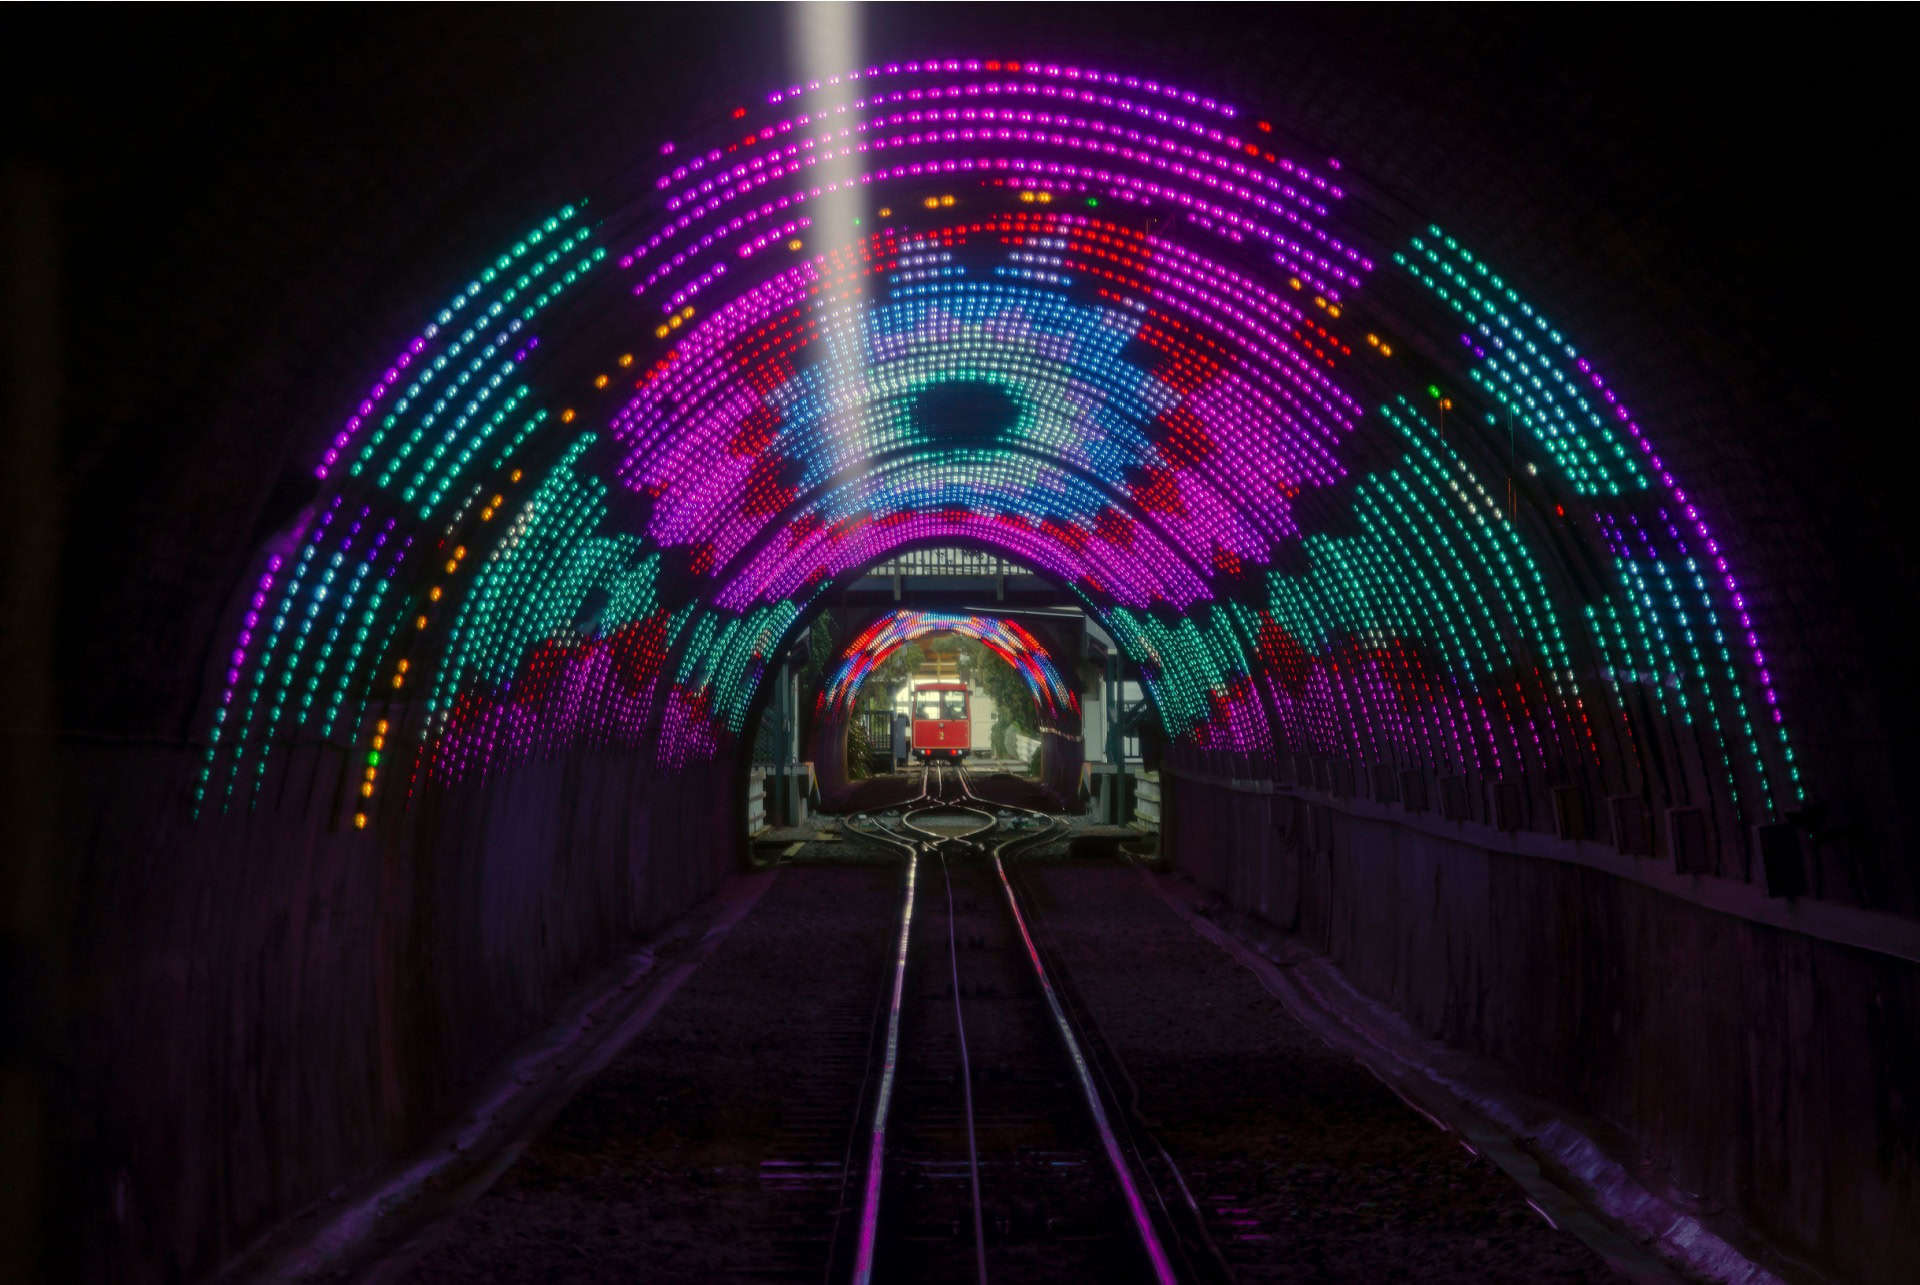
(1053, 694)
(433, 441)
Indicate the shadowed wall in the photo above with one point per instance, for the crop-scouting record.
(224, 1020)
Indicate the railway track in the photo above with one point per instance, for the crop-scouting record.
(950, 1110)
(995, 1147)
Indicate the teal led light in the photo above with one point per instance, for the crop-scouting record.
(1097, 331)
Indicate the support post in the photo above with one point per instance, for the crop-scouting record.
(1116, 743)
(783, 756)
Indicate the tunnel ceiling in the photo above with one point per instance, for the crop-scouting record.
(1329, 477)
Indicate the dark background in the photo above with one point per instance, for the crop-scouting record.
(220, 222)
(237, 214)
(252, 204)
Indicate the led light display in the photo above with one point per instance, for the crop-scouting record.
(1332, 481)
(1053, 697)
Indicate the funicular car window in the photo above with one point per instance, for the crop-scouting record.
(926, 706)
(953, 704)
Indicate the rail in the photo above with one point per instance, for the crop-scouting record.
(917, 840)
(890, 1063)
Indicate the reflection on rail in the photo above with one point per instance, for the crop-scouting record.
(946, 790)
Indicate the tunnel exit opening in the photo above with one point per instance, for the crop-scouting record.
(1049, 697)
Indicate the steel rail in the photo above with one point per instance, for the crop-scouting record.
(883, 1101)
(870, 1209)
(1113, 1067)
(937, 844)
(1109, 1141)
(966, 1086)
(846, 1165)
(929, 842)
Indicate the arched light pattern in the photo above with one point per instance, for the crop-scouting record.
(1326, 476)
(1004, 637)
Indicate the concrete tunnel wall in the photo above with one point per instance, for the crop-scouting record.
(225, 1021)
(271, 1007)
(1765, 1071)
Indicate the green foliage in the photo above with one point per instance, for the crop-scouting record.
(884, 683)
(823, 644)
(766, 739)
(995, 678)
(859, 751)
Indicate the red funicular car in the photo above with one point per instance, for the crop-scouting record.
(941, 725)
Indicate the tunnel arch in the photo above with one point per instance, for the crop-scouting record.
(1055, 698)
(1005, 637)
(1258, 419)
(302, 998)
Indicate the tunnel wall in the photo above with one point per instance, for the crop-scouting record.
(346, 242)
(828, 749)
(269, 1007)
(1768, 1070)
(1063, 760)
